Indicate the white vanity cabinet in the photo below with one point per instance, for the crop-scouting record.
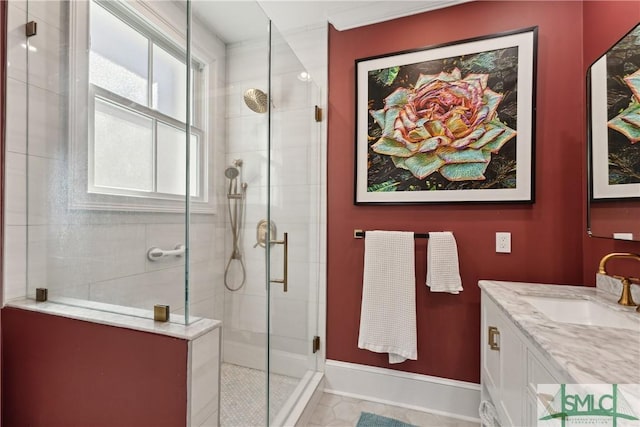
(523, 346)
(511, 368)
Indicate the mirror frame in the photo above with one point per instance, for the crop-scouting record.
(599, 128)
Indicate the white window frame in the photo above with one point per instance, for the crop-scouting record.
(83, 194)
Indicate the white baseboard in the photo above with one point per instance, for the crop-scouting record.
(452, 398)
(282, 362)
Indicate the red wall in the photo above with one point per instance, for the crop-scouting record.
(605, 22)
(63, 372)
(546, 236)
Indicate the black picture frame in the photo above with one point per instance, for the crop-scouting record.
(432, 123)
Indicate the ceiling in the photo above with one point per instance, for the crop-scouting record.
(239, 20)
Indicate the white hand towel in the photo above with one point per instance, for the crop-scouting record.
(443, 274)
(388, 311)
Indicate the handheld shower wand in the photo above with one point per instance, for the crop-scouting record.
(236, 215)
(232, 173)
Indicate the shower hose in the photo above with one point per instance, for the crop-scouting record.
(235, 217)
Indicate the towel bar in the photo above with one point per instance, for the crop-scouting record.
(359, 234)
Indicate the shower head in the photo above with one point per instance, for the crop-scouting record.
(256, 100)
(231, 172)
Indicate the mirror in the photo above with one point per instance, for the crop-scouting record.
(613, 85)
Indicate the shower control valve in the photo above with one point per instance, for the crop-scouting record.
(262, 229)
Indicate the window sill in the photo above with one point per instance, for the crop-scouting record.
(104, 202)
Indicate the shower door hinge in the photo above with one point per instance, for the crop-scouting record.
(30, 28)
(318, 114)
(316, 343)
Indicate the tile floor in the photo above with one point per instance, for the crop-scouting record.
(340, 411)
(243, 398)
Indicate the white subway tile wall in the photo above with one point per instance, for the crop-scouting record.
(205, 374)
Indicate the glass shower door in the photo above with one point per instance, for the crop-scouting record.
(294, 198)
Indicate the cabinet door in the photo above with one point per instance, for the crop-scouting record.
(513, 374)
(530, 416)
(537, 373)
(503, 364)
(490, 357)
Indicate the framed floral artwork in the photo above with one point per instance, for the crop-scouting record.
(448, 123)
(613, 85)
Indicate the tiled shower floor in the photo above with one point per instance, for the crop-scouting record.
(243, 395)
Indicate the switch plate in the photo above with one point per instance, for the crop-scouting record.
(503, 242)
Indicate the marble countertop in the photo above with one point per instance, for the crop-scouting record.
(119, 316)
(585, 354)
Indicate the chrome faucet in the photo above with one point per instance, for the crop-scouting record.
(625, 298)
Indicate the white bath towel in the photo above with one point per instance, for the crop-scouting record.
(443, 273)
(388, 311)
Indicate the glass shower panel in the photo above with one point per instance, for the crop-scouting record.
(294, 207)
(227, 269)
(96, 147)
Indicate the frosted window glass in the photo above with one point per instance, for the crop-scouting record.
(123, 148)
(118, 60)
(169, 84)
(172, 157)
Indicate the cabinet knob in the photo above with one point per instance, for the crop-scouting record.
(494, 338)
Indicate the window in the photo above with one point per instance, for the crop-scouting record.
(135, 91)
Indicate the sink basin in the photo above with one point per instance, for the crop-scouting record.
(582, 312)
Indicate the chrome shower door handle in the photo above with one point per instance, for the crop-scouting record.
(285, 242)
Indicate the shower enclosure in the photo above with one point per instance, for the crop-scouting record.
(117, 112)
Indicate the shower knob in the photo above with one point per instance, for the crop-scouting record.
(261, 233)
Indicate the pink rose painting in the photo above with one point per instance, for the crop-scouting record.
(448, 123)
(444, 125)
